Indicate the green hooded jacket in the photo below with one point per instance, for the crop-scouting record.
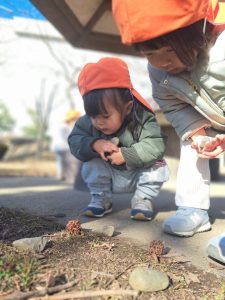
(144, 150)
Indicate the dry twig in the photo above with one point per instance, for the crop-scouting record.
(23, 296)
(92, 294)
(118, 275)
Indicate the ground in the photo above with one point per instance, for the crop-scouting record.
(87, 262)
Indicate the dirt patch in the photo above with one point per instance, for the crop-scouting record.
(92, 262)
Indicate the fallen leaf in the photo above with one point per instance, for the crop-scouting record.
(191, 277)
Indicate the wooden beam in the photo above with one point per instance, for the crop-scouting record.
(60, 15)
(89, 26)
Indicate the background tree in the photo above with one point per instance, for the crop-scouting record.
(40, 115)
(7, 122)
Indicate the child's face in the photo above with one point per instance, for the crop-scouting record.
(112, 121)
(165, 59)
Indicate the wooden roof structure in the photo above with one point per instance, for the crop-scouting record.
(87, 24)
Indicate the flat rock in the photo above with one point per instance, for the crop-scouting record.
(148, 280)
(37, 244)
(108, 230)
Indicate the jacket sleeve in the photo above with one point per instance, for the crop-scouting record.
(149, 148)
(81, 139)
(183, 117)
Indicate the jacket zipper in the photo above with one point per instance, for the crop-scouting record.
(202, 93)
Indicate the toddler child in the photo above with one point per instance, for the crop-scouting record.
(118, 140)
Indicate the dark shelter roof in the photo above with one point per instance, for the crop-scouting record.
(85, 24)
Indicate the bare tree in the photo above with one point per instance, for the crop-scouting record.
(40, 115)
(68, 74)
(65, 68)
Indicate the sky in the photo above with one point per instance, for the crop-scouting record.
(19, 8)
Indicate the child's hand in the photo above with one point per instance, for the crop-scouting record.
(209, 148)
(199, 142)
(104, 148)
(116, 158)
(214, 147)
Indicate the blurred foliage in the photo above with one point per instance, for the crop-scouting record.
(35, 129)
(7, 122)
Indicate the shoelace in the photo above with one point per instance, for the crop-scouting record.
(143, 204)
(184, 211)
(97, 200)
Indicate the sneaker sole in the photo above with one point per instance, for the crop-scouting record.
(203, 228)
(140, 217)
(214, 253)
(89, 213)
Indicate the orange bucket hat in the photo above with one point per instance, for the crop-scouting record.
(141, 20)
(108, 72)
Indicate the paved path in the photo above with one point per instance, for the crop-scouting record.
(47, 196)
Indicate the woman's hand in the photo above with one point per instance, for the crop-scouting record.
(104, 148)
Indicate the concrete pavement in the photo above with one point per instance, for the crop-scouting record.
(47, 196)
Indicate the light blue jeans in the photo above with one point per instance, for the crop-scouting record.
(102, 178)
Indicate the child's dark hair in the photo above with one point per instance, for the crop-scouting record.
(184, 41)
(94, 105)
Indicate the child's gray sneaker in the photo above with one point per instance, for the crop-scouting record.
(99, 206)
(187, 221)
(142, 209)
(216, 248)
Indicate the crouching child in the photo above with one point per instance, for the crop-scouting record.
(118, 139)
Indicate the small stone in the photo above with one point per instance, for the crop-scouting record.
(37, 244)
(115, 140)
(108, 230)
(148, 280)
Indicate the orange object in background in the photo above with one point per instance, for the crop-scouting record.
(140, 20)
(72, 115)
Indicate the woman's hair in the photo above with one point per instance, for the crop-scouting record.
(184, 41)
(95, 103)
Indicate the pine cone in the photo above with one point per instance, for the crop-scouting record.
(156, 249)
(74, 227)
